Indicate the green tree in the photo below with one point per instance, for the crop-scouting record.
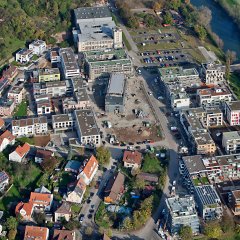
(227, 223)
(11, 223)
(201, 32)
(167, 18)
(127, 223)
(103, 155)
(150, 20)
(88, 231)
(139, 183)
(12, 234)
(72, 224)
(186, 233)
(212, 229)
(39, 217)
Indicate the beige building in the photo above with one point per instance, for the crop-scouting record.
(48, 75)
(213, 73)
(76, 195)
(234, 200)
(64, 211)
(16, 93)
(132, 159)
(62, 122)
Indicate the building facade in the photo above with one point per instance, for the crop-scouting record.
(38, 47)
(232, 111)
(48, 75)
(213, 74)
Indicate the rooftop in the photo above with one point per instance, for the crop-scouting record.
(214, 91)
(173, 72)
(116, 84)
(37, 233)
(38, 42)
(29, 121)
(24, 52)
(72, 164)
(62, 118)
(90, 167)
(15, 90)
(194, 163)
(23, 150)
(68, 59)
(133, 157)
(48, 71)
(234, 105)
(234, 135)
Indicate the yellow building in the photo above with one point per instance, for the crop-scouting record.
(49, 74)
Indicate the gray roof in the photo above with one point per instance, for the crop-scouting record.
(62, 118)
(68, 58)
(72, 164)
(92, 12)
(234, 105)
(116, 84)
(207, 195)
(194, 163)
(86, 122)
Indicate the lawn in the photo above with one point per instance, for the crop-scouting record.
(196, 182)
(26, 140)
(151, 164)
(235, 83)
(101, 217)
(12, 196)
(161, 46)
(127, 44)
(21, 109)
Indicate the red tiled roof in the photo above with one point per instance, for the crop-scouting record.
(91, 165)
(1, 122)
(28, 207)
(43, 153)
(7, 135)
(132, 157)
(23, 150)
(35, 233)
(63, 235)
(40, 198)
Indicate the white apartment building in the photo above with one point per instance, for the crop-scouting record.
(54, 57)
(232, 111)
(62, 122)
(16, 93)
(29, 126)
(213, 96)
(44, 107)
(231, 142)
(87, 129)
(24, 55)
(96, 30)
(213, 73)
(38, 47)
(69, 63)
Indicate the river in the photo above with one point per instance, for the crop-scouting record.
(223, 25)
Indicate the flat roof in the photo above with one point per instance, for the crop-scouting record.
(234, 105)
(116, 84)
(69, 60)
(15, 90)
(92, 12)
(95, 56)
(234, 135)
(29, 121)
(62, 118)
(86, 122)
(47, 71)
(194, 163)
(172, 72)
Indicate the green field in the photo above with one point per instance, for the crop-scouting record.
(235, 83)
(21, 109)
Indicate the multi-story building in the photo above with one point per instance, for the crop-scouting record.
(62, 122)
(95, 29)
(48, 74)
(213, 74)
(87, 129)
(232, 111)
(3, 85)
(102, 63)
(69, 63)
(44, 107)
(30, 126)
(53, 89)
(234, 200)
(208, 202)
(38, 47)
(213, 96)
(7, 107)
(54, 57)
(32, 232)
(16, 93)
(24, 55)
(231, 142)
(10, 73)
(182, 212)
(115, 100)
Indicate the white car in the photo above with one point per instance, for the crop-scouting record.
(150, 93)
(160, 98)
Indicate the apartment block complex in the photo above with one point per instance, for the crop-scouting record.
(38, 47)
(48, 75)
(62, 122)
(16, 93)
(213, 74)
(232, 111)
(231, 142)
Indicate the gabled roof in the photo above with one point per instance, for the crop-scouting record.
(42, 189)
(40, 198)
(80, 187)
(8, 135)
(28, 207)
(23, 150)
(148, 177)
(91, 165)
(1, 122)
(41, 153)
(133, 157)
(65, 208)
(35, 233)
(63, 235)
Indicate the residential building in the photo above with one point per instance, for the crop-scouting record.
(95, 29)
(213, 74)
(88, 170)
(102, 63)
(182, 212)
(62, 122)
(53, 89)
(213, 96)
(54, 57)
(30, 126)
(4, 180)
(3, 84)
(232, 111)
(20, 153)
(208, 202)
(7, 107)
(42, 154)
(16, 93)
(38, 47)
(114, 188)
(63, 212)
(234, 200)
(48, 74)
(24, 55)
(64, 234)
(79, 100)
(2, 123)
(44, 107)
(76, 195)
(87, 129)
(10, 73)
(41, 201)
(36, 233)
(148, 177)
(24, 210)
(132, 159)
(115, 100)
(185, 77)
(69, 63)
(6, 138)
(72, 166)
(231, 142)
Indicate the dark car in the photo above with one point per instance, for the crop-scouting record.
(89, 216)
(131, 143)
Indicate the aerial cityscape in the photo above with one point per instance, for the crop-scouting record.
(119, 119)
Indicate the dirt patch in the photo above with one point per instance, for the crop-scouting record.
(136, 134)
(42, 141)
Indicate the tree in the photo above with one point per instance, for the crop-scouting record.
(204, 16)
(72, 224)
(12, 234)
(201, 31)
(48, 164)
(103, 155)
(167, 18)
(150, 20)
(227, 223)
(139, 184)
(127, 223)
(212, 229)
(39, 217)
(88, 231)
(186, 233)
(157, 6)
(11, 223)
